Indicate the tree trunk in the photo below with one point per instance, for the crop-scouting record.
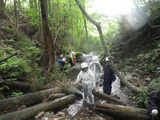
(32, 111)
(26, 99)
(31, 4)
(108, 97)
(48, 50)
(35, 4)
(75, 90)
(123, 112)
(86, 30)
(15, 10)
(19, 5)
(17, 85)
(49, 5)
(123, 80)
(2, 6)
(54, 10)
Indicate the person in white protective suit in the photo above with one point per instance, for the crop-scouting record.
(96, 68)
(88, 83)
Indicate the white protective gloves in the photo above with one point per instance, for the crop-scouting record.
(154, 112)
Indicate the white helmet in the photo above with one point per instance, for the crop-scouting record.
(64, 59)
(107, 59)
(95, 59)
(84, 65)
(72, 53)
(61, 56)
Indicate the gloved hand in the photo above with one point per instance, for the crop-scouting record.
(101, 75)
(93, 89)
(154, 112)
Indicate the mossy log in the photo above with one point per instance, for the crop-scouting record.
(30, 112)
(27, 99)
(123, 112)
(17, 85)
(108, 97)
(76, 90)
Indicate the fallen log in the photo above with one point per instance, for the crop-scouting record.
(123, 112)
(27, 99)
(17, 85)
(108, 97)
(34, 110)
(55, 96)
(76, 90)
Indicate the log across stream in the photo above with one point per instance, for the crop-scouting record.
(73, 103)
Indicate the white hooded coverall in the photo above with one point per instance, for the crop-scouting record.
(96, 68)
(88, 82)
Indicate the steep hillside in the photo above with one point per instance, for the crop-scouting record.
(139, 50)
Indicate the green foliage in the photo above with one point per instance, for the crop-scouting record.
(148, 60)
(121, 65)
(142, 98)
(2, 96)
(10, 29)
(65, 90)
(15, 68)
(14, 94)
(37, 84)
(34, 17)
(153, 8)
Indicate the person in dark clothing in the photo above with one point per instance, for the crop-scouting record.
(62, 62)
(154, 105)
(108, 78)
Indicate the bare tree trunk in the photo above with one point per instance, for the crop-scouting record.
(31, 4)
(49, 5)
(15, 10)
(35, 4)
(54, 9)
(17, 85)
(19, 5)
(108, 97)
(26, 114)
(48, 49)
(27, 99)
(123, 112)
(123, 80)
(2, 5)
(85, 23)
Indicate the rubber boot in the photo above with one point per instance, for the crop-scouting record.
(92, 107)
(84, 105)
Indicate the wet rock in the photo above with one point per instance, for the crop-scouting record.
(39, 115)
(61, 114)
(73, 72)
(46, 118)
(128, 77)
(148, 79)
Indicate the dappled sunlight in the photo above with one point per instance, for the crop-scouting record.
(132, 17)
(135, 20)
(111, 7)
